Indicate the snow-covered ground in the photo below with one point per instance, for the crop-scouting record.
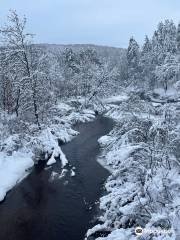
(117, 98)
(142, 153)
(13, 169)
(171, 92)
(19, 152)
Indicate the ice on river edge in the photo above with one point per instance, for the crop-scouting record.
(18, 153)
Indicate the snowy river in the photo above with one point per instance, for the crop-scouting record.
(42, 208)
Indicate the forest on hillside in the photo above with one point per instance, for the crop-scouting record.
(33, 78)
(45, 90)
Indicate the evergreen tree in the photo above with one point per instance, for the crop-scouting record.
(164, 41)
(147, 46)
(133, 53)
(146, 65)
(133, 57)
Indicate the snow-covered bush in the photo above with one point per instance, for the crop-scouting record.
(143, 189)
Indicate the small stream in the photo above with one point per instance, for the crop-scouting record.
(40, 208)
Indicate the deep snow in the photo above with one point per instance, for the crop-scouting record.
(18, 152)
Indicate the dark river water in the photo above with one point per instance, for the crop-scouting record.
(41, 208)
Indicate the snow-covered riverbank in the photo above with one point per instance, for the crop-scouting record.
(57, 196)
(19, 152)
(142, 153)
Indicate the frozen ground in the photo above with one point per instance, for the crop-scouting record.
(19, 152)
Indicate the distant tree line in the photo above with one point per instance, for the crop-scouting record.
(32, 79)
(157, 63)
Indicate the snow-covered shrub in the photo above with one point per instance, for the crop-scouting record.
(143, 189)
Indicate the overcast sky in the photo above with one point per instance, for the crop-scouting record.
(103, 22)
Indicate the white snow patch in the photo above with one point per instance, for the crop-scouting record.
(13, 169)
(72, 173)
(51, 161)
(119, 234)
(118, 98)
(63, 173)
(63, 158)
(171, 92)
